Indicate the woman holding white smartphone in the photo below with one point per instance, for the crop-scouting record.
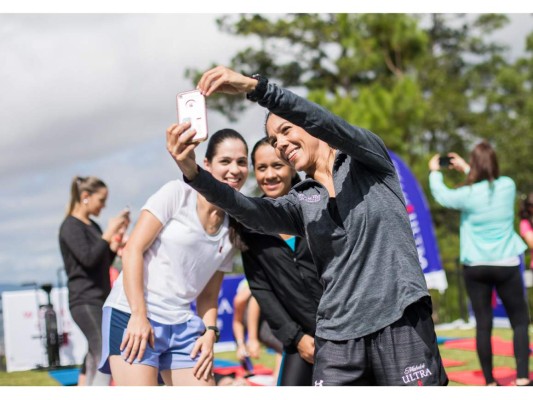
(177, 253)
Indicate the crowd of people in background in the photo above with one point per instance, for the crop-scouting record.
(333, 283)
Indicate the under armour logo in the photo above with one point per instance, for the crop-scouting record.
(319, 383)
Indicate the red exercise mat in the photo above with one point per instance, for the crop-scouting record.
(504, 375)
(500, 347)
(240, 372)
(261, 380)
(447, 362)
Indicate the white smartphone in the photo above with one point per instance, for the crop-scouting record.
(191, 108)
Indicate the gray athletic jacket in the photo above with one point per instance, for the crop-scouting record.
(368, 265)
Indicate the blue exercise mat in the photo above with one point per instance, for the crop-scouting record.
(444, 339)
(224, 363)
(66, 377)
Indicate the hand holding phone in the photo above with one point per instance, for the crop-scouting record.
(192, 108)
(445, 161)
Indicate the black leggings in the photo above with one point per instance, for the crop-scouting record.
(480, 281)
(295, 371)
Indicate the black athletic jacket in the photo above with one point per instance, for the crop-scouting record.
(285, 284)
(87, 259)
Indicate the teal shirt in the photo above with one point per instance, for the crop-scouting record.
(487, 217)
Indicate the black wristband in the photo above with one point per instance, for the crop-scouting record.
(260, 89)
(214, 329)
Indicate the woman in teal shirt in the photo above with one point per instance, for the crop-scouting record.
(490, 249)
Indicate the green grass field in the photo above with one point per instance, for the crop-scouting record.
(41, 378)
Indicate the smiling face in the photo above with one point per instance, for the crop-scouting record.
(293, 144)
(229, 163)
(272, 174)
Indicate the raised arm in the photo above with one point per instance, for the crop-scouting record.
(359, 143)
(446, 197)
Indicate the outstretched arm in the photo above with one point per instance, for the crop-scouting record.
(359, 143)
(264, 215)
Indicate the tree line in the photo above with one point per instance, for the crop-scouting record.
(425, 83)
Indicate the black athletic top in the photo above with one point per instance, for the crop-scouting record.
(285, 284)
(87, 258)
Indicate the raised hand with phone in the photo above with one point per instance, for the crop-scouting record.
(449, 161)
(192, 108)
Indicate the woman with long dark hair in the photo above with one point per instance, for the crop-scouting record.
(490, 249)
(177, 253)
(282, 275)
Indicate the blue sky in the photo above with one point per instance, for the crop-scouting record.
(92, 94)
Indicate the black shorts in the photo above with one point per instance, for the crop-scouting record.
(402, 354)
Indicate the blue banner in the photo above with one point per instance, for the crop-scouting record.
(422, 226)
(225, 307)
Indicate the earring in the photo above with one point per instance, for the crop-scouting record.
(85, 201)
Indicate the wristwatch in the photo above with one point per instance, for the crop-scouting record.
(216, 330)
(260, 88)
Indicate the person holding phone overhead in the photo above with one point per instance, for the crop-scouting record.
(490, 249)
(177, 253)
(88, 253)
(374, 323)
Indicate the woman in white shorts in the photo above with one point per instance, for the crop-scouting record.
(177, 253)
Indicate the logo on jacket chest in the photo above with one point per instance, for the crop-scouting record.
(314, 198)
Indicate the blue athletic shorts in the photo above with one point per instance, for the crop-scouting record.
(172, 346)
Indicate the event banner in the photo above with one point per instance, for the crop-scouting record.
(422, 226)
(225, 312)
